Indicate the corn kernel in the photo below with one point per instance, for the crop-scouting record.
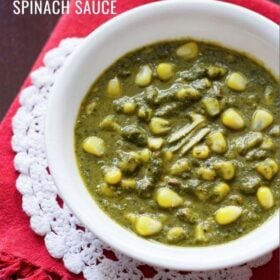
(145, 113)
(145, 155)
(188, 93)
(200, 231)
(114, 89)
(106, 190)
(109, 123)
(226, 169)
(228, 214)
(128, 183)
(147, 226)
(207, 174)
(232, 119)
(267, 144)
(167, 198)
(180, 166)
(91, 107)
(165, 71)
(217, 142)
(262, 119)
(265, 197)
(212, 106)
(205, 83)
(201, 151)
(131, 218)
(268, 168)
(168, 155)
(176, 234)
(129, 107)
(112, 175)
(221, 191)
(237, 81)
(188, 51)
(159, 126)
(94, 145)
(155, 143)
(144, 76)
(215, 72)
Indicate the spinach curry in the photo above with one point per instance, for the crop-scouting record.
(180, 142)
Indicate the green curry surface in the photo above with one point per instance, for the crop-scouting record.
(131, 164)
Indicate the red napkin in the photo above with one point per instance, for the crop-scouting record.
(22, 252)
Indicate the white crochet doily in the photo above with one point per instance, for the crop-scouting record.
(65, 237)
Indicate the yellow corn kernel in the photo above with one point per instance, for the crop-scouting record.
(221, 191)
(106, 190)
(265, 197)
(268, 168)
(201, 192)
(128, 183)
(232, 119)
(215, 72)
(188, 215)
(91, 107)
(147, 226)
(205, 83)
(236, 199)
(182, 94)
(129, 161)
(267, 144)
(269, 95)
(237, 81)
(275, 131)
(109, 123)
(207, 174)
(145, 113)
(212, 106)
(201, 151)
(94, 145)
(131, 218)
(112, 175)
(155, 143)
(200, 231)
(180, 166)
(188, 51)
(228, 214)
(261, 120)
(129, 107)
(168, 155)
(188, 93)
(114, 88)
(226, 169)
(144, 76)
(176, 234)
(165, 71)
(217, 142)
(159, 126)
(167, 198)
(145, 155)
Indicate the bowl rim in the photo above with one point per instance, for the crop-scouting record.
(114, 242)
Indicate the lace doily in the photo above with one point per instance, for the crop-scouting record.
(65, 237)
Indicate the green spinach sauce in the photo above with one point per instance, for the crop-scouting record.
(180, 142)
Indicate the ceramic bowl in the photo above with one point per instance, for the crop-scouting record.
(214, 21)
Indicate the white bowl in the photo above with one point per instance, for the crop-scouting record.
(229, 25)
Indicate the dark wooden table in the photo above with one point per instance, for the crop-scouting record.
(21, 39)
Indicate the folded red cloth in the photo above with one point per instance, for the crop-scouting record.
(22, 252)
